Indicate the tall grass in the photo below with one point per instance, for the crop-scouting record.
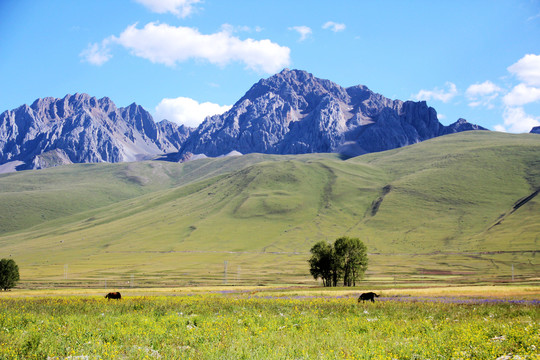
(214, 326)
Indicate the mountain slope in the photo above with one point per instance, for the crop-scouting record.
(461, 206)
(294, 112)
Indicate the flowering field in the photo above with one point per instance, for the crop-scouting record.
(256, 326)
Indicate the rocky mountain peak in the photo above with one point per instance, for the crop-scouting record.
(295, 112)
(297, 87)
(53, 109)
(81, 128)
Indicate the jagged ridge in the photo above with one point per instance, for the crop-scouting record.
(294, 112)
(80, 128)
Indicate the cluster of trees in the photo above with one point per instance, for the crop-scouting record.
(346, 259)
(9, 274)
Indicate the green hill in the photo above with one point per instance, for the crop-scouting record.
(459, 208)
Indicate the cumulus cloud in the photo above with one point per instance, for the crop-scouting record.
(186, 111)
(485, 88)
(437, 94)
(482, 94)
(517, 121)
(527, 69)
(180, 8)
(169, 45)
(304, 31)
(335, 27)
(522, 94)
(96, 54)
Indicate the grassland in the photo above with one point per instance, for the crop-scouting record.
(247, 323)
(441, 211)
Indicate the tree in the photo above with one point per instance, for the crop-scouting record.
(322, 262)
(345, 259)
(9, 274)
(351, 257)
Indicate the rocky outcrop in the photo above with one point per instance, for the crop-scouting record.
(80, 128)
(294, 112)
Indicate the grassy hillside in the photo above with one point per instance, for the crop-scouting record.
(29, 198)
(459, 208)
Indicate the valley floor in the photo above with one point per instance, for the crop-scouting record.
(271, 323)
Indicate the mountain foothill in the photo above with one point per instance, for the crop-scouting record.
(165, 204)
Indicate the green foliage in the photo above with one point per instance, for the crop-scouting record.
(9, 274)
(345, 259)
(322, 263)
(352, 260)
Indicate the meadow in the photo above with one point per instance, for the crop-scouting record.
(271, 323)
(440, 210)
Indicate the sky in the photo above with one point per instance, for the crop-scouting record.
(187, 59)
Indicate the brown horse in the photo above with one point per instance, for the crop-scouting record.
(113, 295)
(368, 296)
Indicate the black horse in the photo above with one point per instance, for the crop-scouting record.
(368, 296)
(113, 295)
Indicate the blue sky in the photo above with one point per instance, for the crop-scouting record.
(184, 59)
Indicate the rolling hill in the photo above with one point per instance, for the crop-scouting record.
(456, 208)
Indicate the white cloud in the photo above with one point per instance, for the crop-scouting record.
(437, 94)
(522, 94)
(180, 8)
(187, 111)
(527, 69)
(517, 121)
(335, 27)
(96, 54)
(482, 94)
(304, 31)
(485, 88)
(165, 44)
(240, 28)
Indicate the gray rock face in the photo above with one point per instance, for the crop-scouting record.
(535, 130)
(80, 128)
(294, 112)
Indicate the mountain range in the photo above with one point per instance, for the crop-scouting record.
(292, 112)
(82, 129)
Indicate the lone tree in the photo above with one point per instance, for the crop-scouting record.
(345, 259)
(9, 274)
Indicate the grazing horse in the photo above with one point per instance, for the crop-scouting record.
(368, 296)
(113, 295)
